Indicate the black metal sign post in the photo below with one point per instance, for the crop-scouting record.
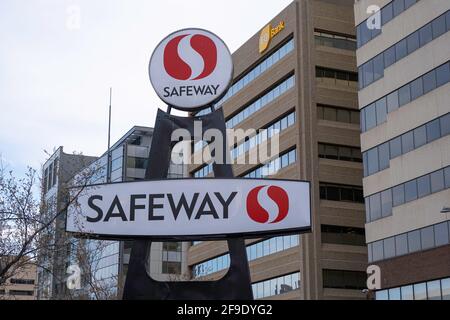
(236, 284)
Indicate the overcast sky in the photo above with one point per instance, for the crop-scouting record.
(58, 59)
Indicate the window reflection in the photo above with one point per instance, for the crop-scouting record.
(254, 251)
(276, 286)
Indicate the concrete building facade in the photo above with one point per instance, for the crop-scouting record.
(22, 285)
(56, 172)
(404, 92)
(304, 84)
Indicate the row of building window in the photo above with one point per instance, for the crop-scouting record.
(137, 163)
(263, 135)
(431, 290)
(336, 152)
(336, 192)
(378, 159)
(327, 39)
(376, 113)
(343, 235)
(380, 205)
(17, 292)
(263, 171)
(21, 281)
(414, 241)
(274, 166)
(254, 73)
(373, 69)
(276, 286)
(203, 171)
(337, 114)
(337, 75)
(171, 257)
(51, 175)
(344, 279)
(254, 251)
(260, 103)
(388, 12)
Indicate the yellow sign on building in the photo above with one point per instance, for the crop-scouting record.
(267, 33)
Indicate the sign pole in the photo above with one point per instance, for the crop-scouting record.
(236, 284)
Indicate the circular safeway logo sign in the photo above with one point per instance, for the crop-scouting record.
(190, 69)
(267, 204)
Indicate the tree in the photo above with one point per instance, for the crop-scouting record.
(28, 232)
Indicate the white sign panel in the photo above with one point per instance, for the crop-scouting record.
(190, 69)
(189, 208)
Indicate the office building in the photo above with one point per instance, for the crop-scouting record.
(56, 172)
(22, 284)
(404, 94)
(304, 83)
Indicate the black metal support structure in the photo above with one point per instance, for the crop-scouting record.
(235, 285)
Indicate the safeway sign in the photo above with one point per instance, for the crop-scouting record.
(189, 208)
(191, 69)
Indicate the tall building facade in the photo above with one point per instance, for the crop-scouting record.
(56, 172)
(298, 76)
(22, 285)
(404, 73)
(104, 264)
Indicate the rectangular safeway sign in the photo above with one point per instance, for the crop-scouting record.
(191, 209)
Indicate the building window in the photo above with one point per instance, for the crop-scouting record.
(254, 251)
(343, 235)
(138, 163)
(377, 158)
(276, 286)
(336, 152)
(21, 293)
(343, 279)
(406, 192)
(335, 192)
(50, 176)
(374, 113)
(414, 241)
(337, 75)
(329, 39)
(55, 171)
(22, 281)
(45, 180)
(271, 168)
(431, 290)
(171, 258)
(332, 113)
(437, 181)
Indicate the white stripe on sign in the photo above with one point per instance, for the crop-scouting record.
(191, 207)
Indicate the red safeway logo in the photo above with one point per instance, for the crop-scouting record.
(190, 57)
(258, 208)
